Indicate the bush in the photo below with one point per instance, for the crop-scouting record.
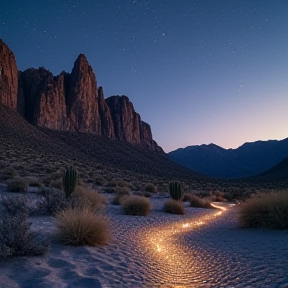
(15, 205)
(136, 205)
(197, 202)
(121, 194)
(100, 181)
(267, 210)
(96, 200)
(174, 207)
(17, 185)
(150, 188)
(17, 239)
(80, 226)
(52, 202)
(57, 184)
(34, 182)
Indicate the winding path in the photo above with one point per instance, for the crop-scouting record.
(204, 248)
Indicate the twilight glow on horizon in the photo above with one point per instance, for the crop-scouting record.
(198, 71)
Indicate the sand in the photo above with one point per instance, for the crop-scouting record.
(204, 248)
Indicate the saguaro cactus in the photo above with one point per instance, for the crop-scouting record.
(176, 190)
(69, 181)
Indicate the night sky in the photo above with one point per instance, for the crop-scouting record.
(199, 72)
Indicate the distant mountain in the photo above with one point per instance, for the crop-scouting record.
(280, 170)
(247, 160)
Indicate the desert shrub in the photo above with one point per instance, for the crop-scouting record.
(218, 196)
(266, 210)
(95, 199)
(122, 183)
(121, 194)
(142, 193)
(52, 202)
(10, 172)
(174, 207)
(100, 181)
(136, 205)
(17, 239)
(203, 193)
(34, 182)
(123, 191)
(15, 205)
(110, 190)
(81, 226)
(197, 202)
(57, 184)
(150, 188)
(111, 184)
(17, 185)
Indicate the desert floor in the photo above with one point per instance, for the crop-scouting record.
(204, 248)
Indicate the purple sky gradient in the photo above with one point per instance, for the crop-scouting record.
(198, 72)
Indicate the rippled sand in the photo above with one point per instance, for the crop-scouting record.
(204, 248)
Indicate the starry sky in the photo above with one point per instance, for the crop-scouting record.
(198, 71)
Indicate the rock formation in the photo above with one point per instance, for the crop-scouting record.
(8, 77)
(70, 101)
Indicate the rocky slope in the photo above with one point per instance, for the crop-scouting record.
(70, 102)
(247, 160)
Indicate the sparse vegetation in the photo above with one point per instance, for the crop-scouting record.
(121, 194)
(95, 199)
(136, 205)
(265, 210)
(57, 184)
(17, 185)
(15, 205)
(197, 202)
(151, 188)
(174, 207)
(53, 201)
(16, 238)
(81, 226)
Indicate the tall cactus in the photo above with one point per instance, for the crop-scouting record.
(176, 190)
(69, 181)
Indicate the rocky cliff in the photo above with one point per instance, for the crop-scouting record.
(70, 102)
(8, 77)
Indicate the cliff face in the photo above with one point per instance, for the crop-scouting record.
(82, 98)
(8, 77)
(43, 98)
(70, 101)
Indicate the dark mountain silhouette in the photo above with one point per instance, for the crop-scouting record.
(247, 160)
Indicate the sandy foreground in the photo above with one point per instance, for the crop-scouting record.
(204, 248)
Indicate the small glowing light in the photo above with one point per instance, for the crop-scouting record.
(218, 207)
(185, 225)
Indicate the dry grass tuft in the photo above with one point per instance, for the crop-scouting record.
(80, 226)
(267, 210)
(17, 185)
(151, 188)
(121, 194)
(174, 207)
(136, 205)
(95, 199)
(197, 202)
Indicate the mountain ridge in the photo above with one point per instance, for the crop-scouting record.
(70, 102)
(249, 159)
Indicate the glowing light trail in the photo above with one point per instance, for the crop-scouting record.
(167, 255)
